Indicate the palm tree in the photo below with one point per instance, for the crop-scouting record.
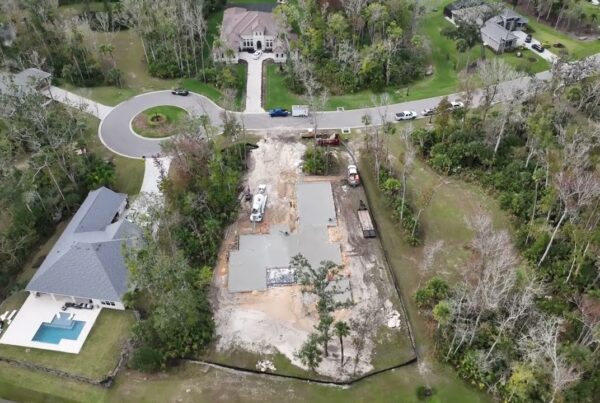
(341, 330)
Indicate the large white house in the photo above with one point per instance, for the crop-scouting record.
(86, 264)
(248, 31)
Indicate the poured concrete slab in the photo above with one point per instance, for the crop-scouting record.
(341, 290)
(315, 204)
(259, 252)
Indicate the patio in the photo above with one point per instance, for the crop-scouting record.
(42, 309)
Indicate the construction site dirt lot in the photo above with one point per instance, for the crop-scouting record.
(279, 320)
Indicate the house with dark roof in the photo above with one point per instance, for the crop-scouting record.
(496, 23)
(86, 263)
(497, 37)
(248, 31)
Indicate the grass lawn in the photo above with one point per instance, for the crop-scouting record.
(172, 113)
(129, 57)
(146, 127)
(445, 59)
(577, 49)
(129, 172)
(276, 93)
(99, 354)
(23, 385)
(444, 220)
(106, 95)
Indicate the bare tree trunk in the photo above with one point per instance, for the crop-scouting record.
(562, 217)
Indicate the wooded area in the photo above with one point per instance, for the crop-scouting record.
(352, 45)
(46, 170)
(171, 275)
(525, 326)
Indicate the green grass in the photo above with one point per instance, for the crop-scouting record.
(129, 172)
(130, 59)
(577, 49)
(173, 113)
(100, 352)
(447, 62)
(247, 359)
(276, 93)
(23, 385)
(106, 95)
(445, 219)
(173, 116)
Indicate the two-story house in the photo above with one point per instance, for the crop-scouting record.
(248, 31)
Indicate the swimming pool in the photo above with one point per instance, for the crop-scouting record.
(57, 330)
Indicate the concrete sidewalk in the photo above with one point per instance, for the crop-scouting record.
(254, 81)
(152, 174)
(77, 101)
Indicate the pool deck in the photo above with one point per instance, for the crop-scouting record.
(34, 312)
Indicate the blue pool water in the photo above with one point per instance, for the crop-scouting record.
(48, 333)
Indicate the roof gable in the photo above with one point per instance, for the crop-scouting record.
(89, 264)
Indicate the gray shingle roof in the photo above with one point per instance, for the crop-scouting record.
(26, 80)
(31, 75)
(497, 32)
(86, 261)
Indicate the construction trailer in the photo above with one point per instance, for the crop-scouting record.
(366, 223)
(300, 111)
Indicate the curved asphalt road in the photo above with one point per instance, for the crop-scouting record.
(116, 134)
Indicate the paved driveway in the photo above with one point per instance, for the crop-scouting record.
(94, 108)
(546, 54)
(254, 81)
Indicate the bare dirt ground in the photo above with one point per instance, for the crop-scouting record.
(281, 319)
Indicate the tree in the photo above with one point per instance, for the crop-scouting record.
(324, 327)
(341, 330)
(541, 347)
(495, 76)
(309, 354)
(577, 186)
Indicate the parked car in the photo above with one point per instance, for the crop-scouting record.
(257, 54)
(456, 105)
(180, 91)
(278, 113)
(537, 47)
(406, 115)
(528, 38)
(428, 112)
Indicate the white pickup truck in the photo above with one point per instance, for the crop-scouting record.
(259, 202)
(300, 111)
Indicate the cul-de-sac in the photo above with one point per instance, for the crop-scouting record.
(300, 200)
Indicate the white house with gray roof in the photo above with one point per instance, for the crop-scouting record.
(86, 263)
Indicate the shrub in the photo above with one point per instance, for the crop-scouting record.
(146, 359)
(317, 161)
(424, 392)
